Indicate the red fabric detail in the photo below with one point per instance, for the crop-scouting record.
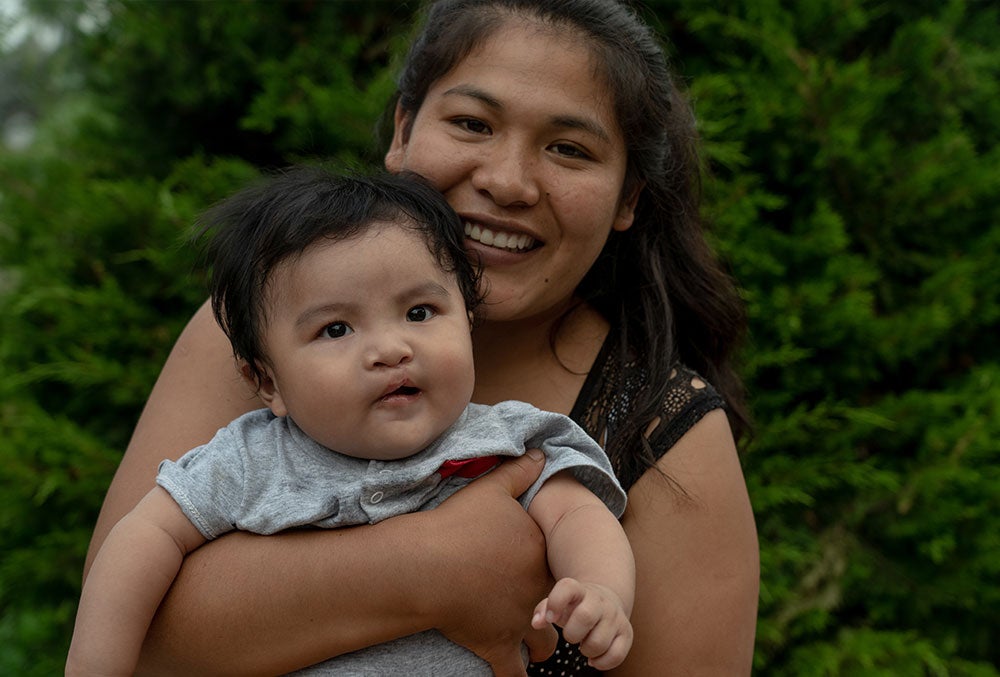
(473, 467)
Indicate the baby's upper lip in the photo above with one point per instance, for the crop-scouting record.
(401, 381)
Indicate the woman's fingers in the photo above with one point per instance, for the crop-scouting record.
(516, 474)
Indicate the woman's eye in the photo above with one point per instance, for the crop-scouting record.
(336, 330)
(569, 150)
(419, 314)
(473, 125)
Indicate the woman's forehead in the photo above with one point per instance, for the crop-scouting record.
(525, 58)
(557, 35)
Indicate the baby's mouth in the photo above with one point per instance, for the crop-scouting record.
(513, 242)
(403, 391)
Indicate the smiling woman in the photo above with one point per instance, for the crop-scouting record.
(555, 123)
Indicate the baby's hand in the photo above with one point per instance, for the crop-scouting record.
(590, 615)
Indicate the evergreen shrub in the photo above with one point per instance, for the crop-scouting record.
(852, 180)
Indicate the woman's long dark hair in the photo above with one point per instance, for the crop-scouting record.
(659, 282)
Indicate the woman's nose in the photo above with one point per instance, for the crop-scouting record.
(507, 174)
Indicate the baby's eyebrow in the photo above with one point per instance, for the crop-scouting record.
(307, 316)
(432, 289)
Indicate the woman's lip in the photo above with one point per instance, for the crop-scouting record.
(491, 257)
(497, 223)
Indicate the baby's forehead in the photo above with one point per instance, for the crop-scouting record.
(377, 241)
(376, 230)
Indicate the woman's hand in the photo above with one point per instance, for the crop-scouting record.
(495, 563)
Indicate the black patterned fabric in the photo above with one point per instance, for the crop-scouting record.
(603, 401)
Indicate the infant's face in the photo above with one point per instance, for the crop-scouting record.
(369, 344)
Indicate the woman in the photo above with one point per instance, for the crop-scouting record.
(555, 130)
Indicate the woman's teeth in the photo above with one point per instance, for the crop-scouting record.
(509, 241)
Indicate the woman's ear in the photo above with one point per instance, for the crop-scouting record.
(626, 210)
(266, 389)
(400, 137)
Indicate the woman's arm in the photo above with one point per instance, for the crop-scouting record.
(697, 561)
(250, 605)
(265, 604)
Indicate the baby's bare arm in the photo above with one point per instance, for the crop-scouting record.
(130, 575)
(591, 559)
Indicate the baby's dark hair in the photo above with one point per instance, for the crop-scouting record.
(258, 228)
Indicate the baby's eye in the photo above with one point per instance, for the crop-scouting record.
(336, 330)
(419, 314)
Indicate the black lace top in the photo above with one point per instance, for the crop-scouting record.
(603, 401)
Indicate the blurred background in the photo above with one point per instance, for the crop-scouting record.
(852, 180)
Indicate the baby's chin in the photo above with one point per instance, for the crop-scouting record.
(391, 450)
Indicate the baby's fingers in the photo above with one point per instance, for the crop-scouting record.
(615, 654)
(602, 635)
(538, 620)
(563, 600)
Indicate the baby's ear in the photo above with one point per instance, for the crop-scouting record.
(266, 388)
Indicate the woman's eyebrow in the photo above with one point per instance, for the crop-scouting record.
(475, 93)
(585, 124)
(581, 123)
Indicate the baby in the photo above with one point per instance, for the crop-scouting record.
(349, 305)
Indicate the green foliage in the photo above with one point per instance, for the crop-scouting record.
(854, 181)
(97, 282)
(854, 192)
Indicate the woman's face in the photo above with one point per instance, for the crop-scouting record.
(522, 140)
